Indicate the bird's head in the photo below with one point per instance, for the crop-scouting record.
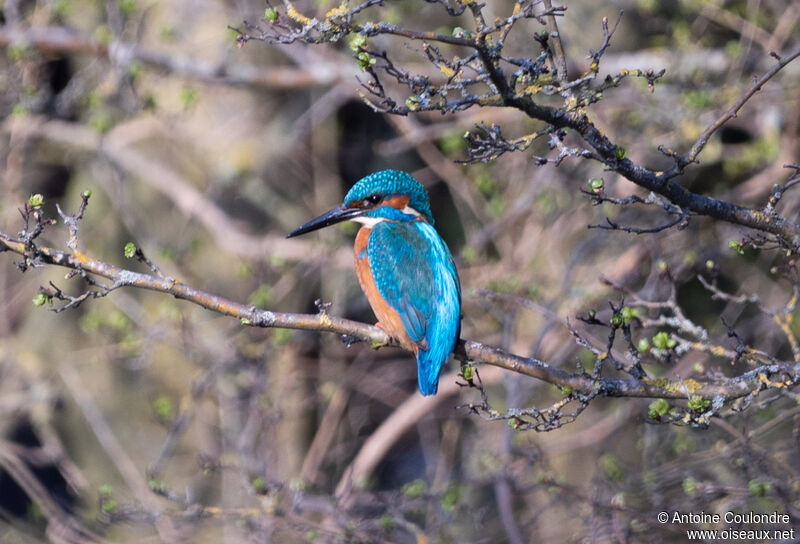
(386, 195)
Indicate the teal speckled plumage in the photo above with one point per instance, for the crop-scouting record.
(415, 273)
(387, 183)
(404, 267)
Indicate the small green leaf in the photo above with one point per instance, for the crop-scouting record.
(40, 299)
(657, 408)
(271, 15)
(698, 403)
(364, 60)
(643, 345)
(36, 201)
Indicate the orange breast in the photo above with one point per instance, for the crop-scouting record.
(387, 316)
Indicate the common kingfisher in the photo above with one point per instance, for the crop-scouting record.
(404, 268)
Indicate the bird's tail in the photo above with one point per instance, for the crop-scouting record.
(429, 365)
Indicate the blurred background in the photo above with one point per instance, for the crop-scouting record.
(138, 417)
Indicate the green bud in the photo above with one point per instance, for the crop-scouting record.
(357, 41)
(105, 490)
(40, 299)
(565, 390)
(35, 201)
(643, 345)
(468, 372)
(412, 103)
(596, 185)
(271, 15)
(736, 246)
(710, 264)
(661, 264)
(657, 408)
(244, 321)
(164, 408)
(619, 152)
(87, 193)
(698, 403)
(617, 320)
(629, 313)
(513, 423)
(109, 506)
(129, 250)
(592, 314)
(664, 341)
(259, 485)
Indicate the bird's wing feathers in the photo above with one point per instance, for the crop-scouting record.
(415, 273)
(402, 274)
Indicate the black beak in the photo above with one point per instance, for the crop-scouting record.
(336, 215)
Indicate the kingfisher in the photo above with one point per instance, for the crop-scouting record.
(404, 268)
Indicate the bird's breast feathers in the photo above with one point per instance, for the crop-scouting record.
(408, 275)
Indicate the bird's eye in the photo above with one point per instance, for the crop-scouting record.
(374, 199)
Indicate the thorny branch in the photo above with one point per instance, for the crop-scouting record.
(482, 74)
(578, 388)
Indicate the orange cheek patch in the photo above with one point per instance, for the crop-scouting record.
(398, 201)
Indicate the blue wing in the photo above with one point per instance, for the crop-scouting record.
(415, 273)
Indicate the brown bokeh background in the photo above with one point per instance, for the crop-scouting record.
(143, 418)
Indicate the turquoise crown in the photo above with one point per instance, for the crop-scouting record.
(388, 183)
